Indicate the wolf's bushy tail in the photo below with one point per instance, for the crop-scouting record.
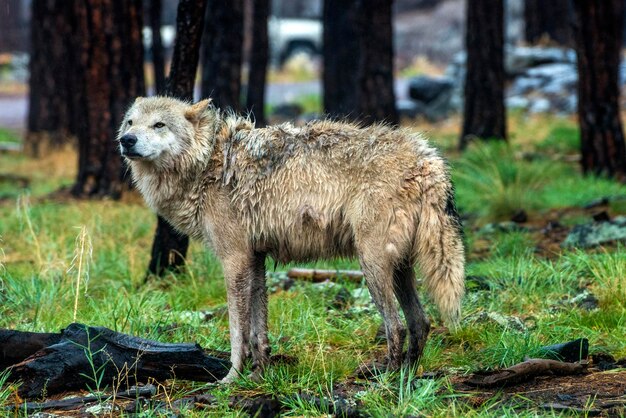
(440, 254)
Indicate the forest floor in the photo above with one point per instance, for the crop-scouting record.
(524, 292)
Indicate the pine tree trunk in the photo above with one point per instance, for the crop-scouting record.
(484, 114)
(222, 49)
(255, 101)
(107, 77)
(341, 58)
(169, 247)
(599, 26)
(376, 99)
(158, 59)
(548, 20)
(49, 113)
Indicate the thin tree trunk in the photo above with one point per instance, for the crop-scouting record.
(599, 26)
(255, 101)
(222, 49)
(484, 114)
(548, 20)
(108, 76)
(376, 99)
(158, 59)
(169, 247)
(49, 110)
(341, 58)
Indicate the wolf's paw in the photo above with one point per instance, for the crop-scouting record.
(232, 375)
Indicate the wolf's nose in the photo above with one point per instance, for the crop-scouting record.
(128, 140)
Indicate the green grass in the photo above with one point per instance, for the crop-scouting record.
(41, 245)
(7, 135)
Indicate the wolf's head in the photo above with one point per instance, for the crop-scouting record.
(163, 130)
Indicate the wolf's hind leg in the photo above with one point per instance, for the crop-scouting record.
(417, 322)
(259, 343)
(379, 277)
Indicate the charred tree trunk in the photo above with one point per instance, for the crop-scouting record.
(49, 120)
(158, 58)
(169, 247)
(341, 58)
(222, 49)
(484, 114)
(548, 20)
(598, 48)
(376, 98)
(108, 76)
(255, 100)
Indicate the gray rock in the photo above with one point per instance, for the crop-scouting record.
(517, 102)
(508, 226)
(551, 71)
(539, 105)
(519, 59)
(432, 97)
(505, 321)
(523, 85)
(408, 108)
(563, 103)
(456, 69)
(585, 300)
(427, 89)
(596, 233)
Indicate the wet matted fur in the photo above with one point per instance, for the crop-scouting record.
(327, 189)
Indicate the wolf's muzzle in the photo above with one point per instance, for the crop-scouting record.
(128, 141)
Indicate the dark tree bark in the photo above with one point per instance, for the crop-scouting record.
(108, 75)
(341, 58)
(255, 100)
(376, 98)
(169, 247)
(49, 113)
(598, 47)
(158, 58)
(548, 20)
(484, 114)
(222, 48)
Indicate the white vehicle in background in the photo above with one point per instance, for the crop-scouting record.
(292, 36)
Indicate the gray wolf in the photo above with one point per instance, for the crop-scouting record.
(327, 189)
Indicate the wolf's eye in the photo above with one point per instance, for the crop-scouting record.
(159, 125)
(130, 122)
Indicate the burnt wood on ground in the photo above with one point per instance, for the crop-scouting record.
(70, 404)
(123, 360)
(525, 371)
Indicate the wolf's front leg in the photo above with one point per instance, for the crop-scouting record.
(258, 312)
(239, 274)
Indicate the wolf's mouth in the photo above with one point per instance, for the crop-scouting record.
(132, 155)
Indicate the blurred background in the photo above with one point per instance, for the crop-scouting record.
(543, 77)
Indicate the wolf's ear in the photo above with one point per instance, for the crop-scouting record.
(195, 111)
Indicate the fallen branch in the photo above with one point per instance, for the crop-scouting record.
(69, 404)
(317, 276)
(525, 371)
(69, 363)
